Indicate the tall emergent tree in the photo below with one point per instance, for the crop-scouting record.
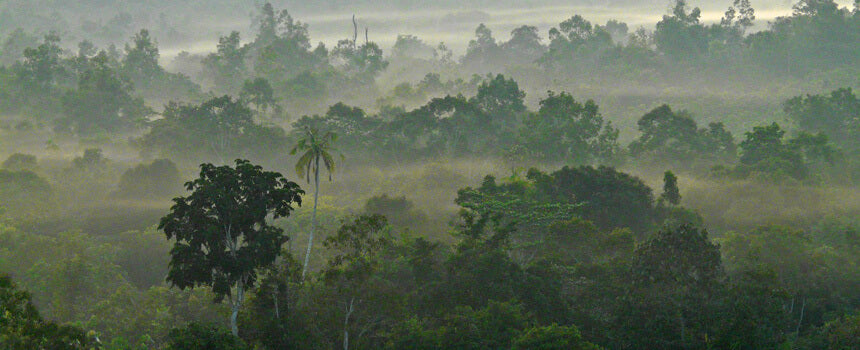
(222, 237)
(316, 148)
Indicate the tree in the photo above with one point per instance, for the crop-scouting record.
(227, 66)
(259, 93)
(316, 148)
(141, 60)
(681, 35)
(281, 50)
(739, 17)
(410, 46)
(20, 161)
(481, 50)
(201, 337)
(41, 67)
(676, 277)
(22, 191)
(102, 100)
(220, 127)
(401, 212)
(221, 229)
(671, 194)
(673, 136)
(837, 114)
(158, 179)
(12, 49)
(363, 61)
(610, 198)
(525, 46)
(763, 150)
(357, 245)
(564, 129)
(575, 39)
(502, 101)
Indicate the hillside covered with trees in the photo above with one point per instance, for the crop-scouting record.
(690, 184)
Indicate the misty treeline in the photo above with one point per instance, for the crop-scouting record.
(816, 44)
(462, 210)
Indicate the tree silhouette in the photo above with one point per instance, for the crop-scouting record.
(222, 235)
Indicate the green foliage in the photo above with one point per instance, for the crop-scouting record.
(364, 62)
(509, 215)
(159, 179)
(611, 199)
(315, 147)
(21, 326)
(812, 275)
(41, 67)
(24, 192)
(221, 230)
(227, 204)
(349, 124)
(843, 333)
(676, 279)
(20, 161)
(671, 193)
(764, 151)
(552, 337)
(411, 46)
(564, 129)
(401, 212)
(356, 244)
(754, 314)
(201, 337)
(836, 114)
(535, 260)
(492, 327)
(674, 138)
(143, 256)
(576, 37)
(221, 127)
(680, 35)
(91, 160)
(13, 47)
(227, 65)
(483, 49)
(141, 57)
(259, 93)
(102, 101)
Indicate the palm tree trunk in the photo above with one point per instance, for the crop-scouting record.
(313, 217)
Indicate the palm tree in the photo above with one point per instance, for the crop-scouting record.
(316, 148)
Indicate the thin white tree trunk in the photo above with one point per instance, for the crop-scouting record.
(275, 299)
(313, 217)
(346, 324)
(240, 296)
(800, 321)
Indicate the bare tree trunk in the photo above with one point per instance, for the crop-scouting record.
(800, 321)
(240, 296)
(240, 287)
(349, 310)
(354, 32)
(275, 299)
(313, 217)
